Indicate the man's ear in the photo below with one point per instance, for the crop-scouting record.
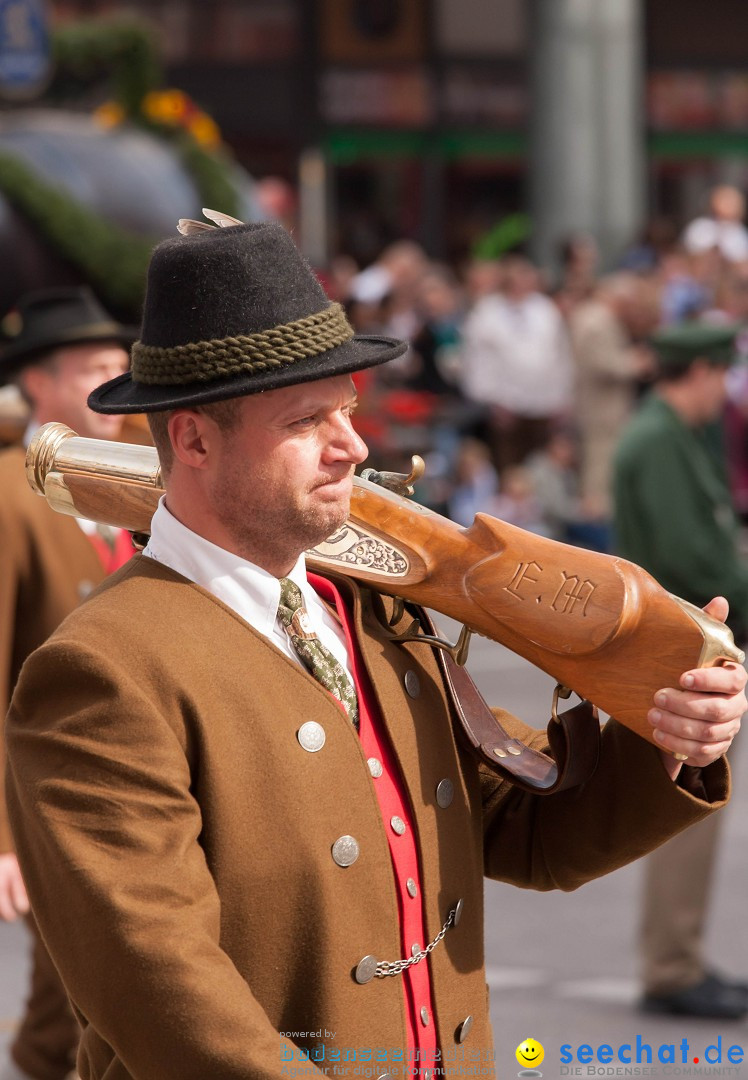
(187, 431)
(32, 381)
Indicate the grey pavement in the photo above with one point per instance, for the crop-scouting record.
(561, 967)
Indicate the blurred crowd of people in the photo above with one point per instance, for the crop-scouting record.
(517, 387)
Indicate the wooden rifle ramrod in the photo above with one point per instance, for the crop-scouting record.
(596, 623)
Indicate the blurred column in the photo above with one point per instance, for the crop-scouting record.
(587, 123)
(314, 204)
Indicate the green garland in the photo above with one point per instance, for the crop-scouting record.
(113, 261)
(121, 48)
(124, 51)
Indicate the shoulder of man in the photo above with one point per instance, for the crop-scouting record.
(650, 428)
(135, 603)
(13, 480)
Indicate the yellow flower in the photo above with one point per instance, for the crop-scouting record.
(205, 130)
(166, 106)
(109, 115)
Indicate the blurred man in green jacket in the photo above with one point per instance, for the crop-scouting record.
(674, 517)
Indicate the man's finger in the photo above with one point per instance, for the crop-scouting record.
(703, 731)
(715, 708)
(726, 678)
(7, 909)
(718, 608)
(700, 754)
(19, 896)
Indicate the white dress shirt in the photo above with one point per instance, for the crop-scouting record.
(516, 354)
(250, 591)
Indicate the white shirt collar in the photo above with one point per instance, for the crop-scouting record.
(250, 591)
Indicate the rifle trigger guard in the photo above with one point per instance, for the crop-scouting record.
(458, 650)
(559, 691)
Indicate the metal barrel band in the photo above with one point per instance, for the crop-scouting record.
(396, 967)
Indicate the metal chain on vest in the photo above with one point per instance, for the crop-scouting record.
(317, 659)
(396, 967)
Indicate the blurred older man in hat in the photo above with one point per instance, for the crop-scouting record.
(64, 346)
(254, 796)
(674, 517)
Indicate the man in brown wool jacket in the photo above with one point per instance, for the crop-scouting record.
(250, 835)
(65, 345)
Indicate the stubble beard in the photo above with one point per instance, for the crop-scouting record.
(270, 535)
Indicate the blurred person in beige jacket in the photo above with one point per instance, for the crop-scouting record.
(606, 332)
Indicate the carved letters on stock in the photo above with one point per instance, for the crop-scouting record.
(569, 596)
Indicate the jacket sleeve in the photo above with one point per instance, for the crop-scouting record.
(627, 808)
(108, 832)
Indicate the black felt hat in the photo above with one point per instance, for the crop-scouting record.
(234, 311)
(52, 318)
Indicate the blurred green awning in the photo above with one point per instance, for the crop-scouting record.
(698, 144)
(346, 147)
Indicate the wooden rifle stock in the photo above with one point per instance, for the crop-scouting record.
(596, 623)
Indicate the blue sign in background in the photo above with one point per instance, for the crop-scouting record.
(24, 47)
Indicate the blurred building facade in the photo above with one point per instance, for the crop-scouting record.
(417, 112)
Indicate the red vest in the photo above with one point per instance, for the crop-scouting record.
(116, 555)
(403, 844)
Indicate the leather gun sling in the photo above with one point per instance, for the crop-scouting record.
(574, 738)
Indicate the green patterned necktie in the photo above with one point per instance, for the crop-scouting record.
(317, 659)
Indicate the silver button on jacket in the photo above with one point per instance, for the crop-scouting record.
(412, 684)
(311, 736)
(445, 792)
(366, 969)
(345, 850)
(464, 1029)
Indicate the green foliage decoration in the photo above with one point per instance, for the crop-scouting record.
(509, 234)
(120, 47)
(93, 245)
(123, 51)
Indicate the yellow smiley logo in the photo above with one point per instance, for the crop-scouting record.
(530, 1053)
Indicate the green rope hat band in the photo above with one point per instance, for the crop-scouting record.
(203, 361)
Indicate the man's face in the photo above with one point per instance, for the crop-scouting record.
(282, 478)
(712, 392)
(60, 386)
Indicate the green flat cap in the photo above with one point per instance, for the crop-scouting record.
(678, 346)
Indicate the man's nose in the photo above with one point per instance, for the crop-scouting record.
(349, 442)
